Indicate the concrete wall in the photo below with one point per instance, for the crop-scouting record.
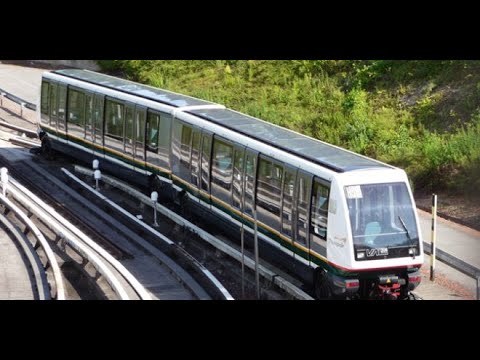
(80, 64)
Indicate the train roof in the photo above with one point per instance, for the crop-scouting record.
(329, 156)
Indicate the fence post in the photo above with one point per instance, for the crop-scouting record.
(478, 287)
(434, 237)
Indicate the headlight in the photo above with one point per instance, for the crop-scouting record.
(361, 255)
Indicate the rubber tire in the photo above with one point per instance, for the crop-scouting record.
(322, 289)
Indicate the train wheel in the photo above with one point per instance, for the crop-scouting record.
(46, 149)
(322, 289)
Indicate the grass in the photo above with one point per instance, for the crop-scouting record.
(420, 115)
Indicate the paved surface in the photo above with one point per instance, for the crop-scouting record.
(23, 82)
(15, 283)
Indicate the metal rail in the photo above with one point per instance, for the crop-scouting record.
(41, 241)
(23, 103)
(66, 229)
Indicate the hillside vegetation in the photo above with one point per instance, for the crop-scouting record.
(423, 116)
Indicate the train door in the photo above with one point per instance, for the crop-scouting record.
(251, 159)
(97, 136)
(206, 157)
(289, 211)
(139, 129)
(238, 183)
(88, 135)
(302, 205)
(53, 106)
(62, 110)
(195, 160)
(319, 216)
(128, 139)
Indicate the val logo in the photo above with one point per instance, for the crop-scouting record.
(377, 252)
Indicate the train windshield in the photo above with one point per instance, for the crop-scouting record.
(383, 221)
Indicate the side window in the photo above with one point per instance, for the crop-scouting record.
(222, 166)
(185, 146)
(250, 168)
(237, 179)
(45, 103)
(206, 151)
(319, 214)
(139, 130)
(303, 204)
(164, 144)
(129, 126)
(153, 121)
(88, 115)
(114, 119)
(53, 100)
(287, 217)
(76, 113)
(62, 105)
(98, 118)
(269, 192)
(195, 157)
(114, 125)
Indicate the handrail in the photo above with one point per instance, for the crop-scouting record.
(78, 246)
(16, 99)
(138, 288)
(57, 275)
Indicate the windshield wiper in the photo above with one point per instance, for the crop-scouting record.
(412, 245)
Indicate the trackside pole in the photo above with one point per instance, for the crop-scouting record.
(478, 287)
(257, 278)
(154, 198)
(434, 237)
(4, 178)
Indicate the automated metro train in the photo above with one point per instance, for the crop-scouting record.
(346, 224)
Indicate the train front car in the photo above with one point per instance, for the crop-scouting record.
(379, 248)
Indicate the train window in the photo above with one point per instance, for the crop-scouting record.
(195, 157)
(319, 213)
(114, 125)
(140, 128)
(288, 188)
(88, 116)
(76, 113)
(153, 121)
(53, 103)
(206, 151)
(129, 125)
(303, 202)
(62, 104)
(114, 120)
(237, 179)
(269, 191)
(185, 147)
(250, 166)
(98, 118)
(222, 170)
(45, 108)
(164, 139)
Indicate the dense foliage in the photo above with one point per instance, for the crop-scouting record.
(420, 115)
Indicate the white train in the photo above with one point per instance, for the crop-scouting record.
(343, 222)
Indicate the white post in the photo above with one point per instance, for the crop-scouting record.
(434, 237)
(98, 175)
(95, 164)
(4, 178)
(154, 198)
